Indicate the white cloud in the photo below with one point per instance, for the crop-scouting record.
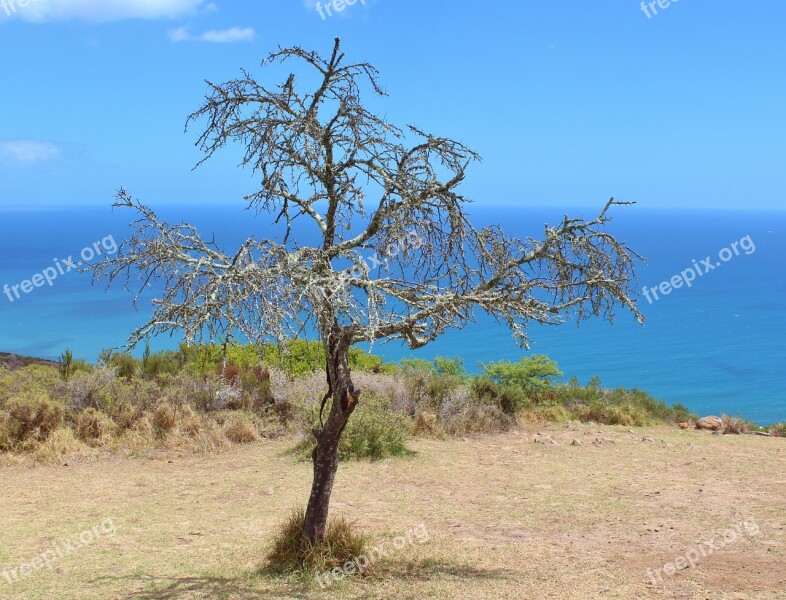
(219, 36)
(179, 35)
(27, 152)
(99, 10)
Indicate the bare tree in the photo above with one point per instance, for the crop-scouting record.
(397, 256)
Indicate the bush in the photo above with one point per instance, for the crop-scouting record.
(532, 374)
(510, 399)
(30, 418)
(616, 407)
(778, 429)
(296, 358)
(430, 386)
(89, 390)
(68, 365)
(61, 443)
(374, 431)
(239, 429)
(360, 360)
(478, 418)
(164, 419)
(450, 367)
(190, 423)
(737, 425)
(93, 426)
(30, 381)
(290, 554)
(123, 414)
(125, 366)
(427, 425)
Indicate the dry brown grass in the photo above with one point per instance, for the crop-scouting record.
(239, 429)
(507, 518)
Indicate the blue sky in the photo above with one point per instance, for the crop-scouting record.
(568, 102)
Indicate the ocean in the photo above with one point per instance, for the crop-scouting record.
(715, 346)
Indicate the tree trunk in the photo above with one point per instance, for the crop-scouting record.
(325, 455)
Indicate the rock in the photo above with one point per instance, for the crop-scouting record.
(711, 423)
(577, 443)
(647, 439)
(684, 425)
(601, 441)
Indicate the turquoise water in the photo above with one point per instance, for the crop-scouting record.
(716, 346)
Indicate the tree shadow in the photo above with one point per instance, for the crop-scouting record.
(427, 569)
(180, 588)
(243, 588)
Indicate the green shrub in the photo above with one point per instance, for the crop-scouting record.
(450, 367)
(360, 360)
(30, 418)
(291, 554)
(413, 365)
(296, 358)
(617, 407)
(431, 384)
(156, 365)
(533, 374)
(66, 367)
(125, 364)
(31, 380)
(374, 431)
(628, 415)
(201, 360)
(510, 399)
(90, 390)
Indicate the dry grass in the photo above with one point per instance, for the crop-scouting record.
(289, 555)
(506, 517)
(735, 425)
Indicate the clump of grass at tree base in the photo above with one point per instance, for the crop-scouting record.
(291, 555)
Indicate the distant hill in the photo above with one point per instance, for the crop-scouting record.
(13, 362)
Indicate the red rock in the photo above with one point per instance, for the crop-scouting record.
(711, 423)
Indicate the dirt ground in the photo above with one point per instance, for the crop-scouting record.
(620, 513)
